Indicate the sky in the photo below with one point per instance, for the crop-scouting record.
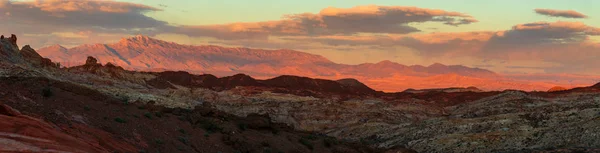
(507, 36)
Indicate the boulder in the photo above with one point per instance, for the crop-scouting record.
(91, 61)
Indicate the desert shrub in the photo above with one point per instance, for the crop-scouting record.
(275, 131)
(120, 120)
(47, 92)
(265, 144)
(87, 108)
(210, 126)
(158, 114)
(310, 137)
(182, 131)
(306, 143)
(243, 126)
(124, 99)
(267, 150)
(180, 148)
(329, 142)
(159, 141)
(183, 140)
(148, 115)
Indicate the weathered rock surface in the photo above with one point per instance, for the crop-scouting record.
(22, 133)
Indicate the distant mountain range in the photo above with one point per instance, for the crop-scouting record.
(149, 54)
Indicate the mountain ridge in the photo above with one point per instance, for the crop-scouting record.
(143, 53)
(137, 41)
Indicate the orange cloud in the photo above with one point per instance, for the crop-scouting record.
(560, 13)
(45, 17)
(426, 44)
(541, 34)
(445, 37)
(333, 21)
(560, 26)
(80, 5)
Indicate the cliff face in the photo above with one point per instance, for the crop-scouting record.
(10, 52)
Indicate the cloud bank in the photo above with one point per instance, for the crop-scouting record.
(560, 13)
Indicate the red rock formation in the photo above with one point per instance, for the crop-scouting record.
(22, 133)
(13, 39)
(597, 85)
(34, 58)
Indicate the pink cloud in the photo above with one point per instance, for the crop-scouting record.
(44, 18)
(76, 6)
(561, 13)
(333, 21)
(538, 34)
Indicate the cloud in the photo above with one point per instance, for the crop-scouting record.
(427, 44)
(560, 13)
(51, 16)
(525, 67)
(43, 17)
(539, 34)
(55, 6)
(335, 21)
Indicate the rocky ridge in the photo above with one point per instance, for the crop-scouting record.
(105, 108)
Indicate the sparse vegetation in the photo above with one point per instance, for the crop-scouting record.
(210, 126)
(267, 150)
(310, 137)
(183, 140)
(306, 143)
(158, 114)
(47, 92)
(120, 120)
(124, 99)
(180, 148)
(182, 131)
(242, 126)
(159, 141)
(329, 142)
(148, 115)
(265, 144)
(275, 131)
(87, 108)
